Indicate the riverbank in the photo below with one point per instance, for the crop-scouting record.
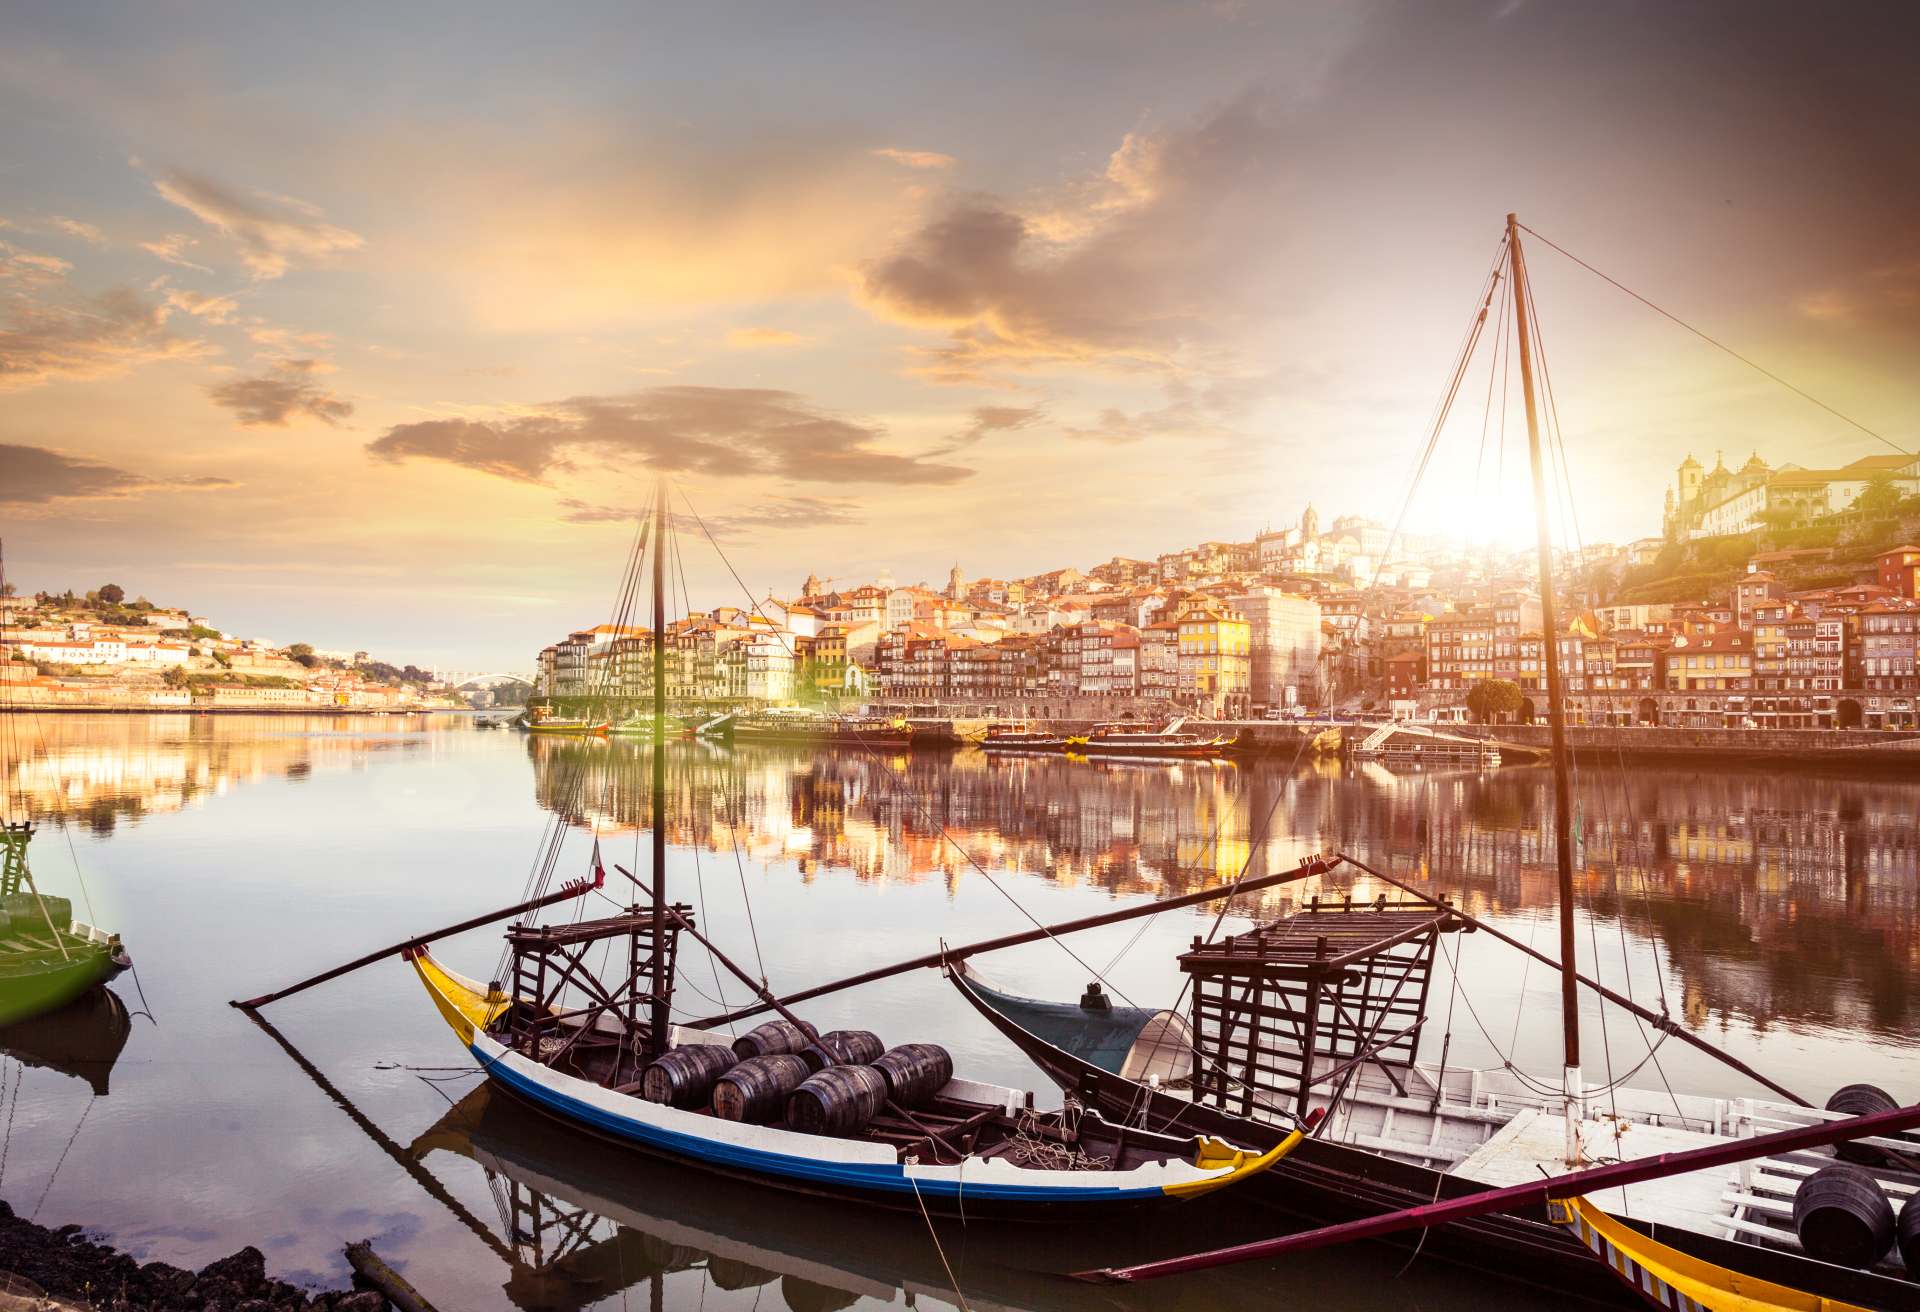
(1875, 750)
(80, 1272)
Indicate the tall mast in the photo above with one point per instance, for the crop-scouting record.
(1556, 705)
(657, 1029)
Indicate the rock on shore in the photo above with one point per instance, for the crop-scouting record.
(74, 1270)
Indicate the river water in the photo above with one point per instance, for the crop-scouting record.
(1774, 913)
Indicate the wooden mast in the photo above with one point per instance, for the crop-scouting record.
(1556, 704)
(657, 1025)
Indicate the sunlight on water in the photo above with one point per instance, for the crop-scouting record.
(1773, 914)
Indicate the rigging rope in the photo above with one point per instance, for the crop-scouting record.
(1718, 344)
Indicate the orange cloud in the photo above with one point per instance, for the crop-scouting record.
(106, 335)
(917, 159)
(272, 232)
(747, 339)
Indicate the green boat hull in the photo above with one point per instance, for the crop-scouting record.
(44, 979)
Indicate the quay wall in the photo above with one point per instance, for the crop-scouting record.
(1882, 749)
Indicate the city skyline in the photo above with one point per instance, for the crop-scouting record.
(370, 334)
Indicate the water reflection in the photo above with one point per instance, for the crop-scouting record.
(82, 1039)
(587, 1226)
(1774, 897)
(98, 771)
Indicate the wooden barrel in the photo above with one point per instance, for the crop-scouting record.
(756, 1090)
(838, 1100)
(776, 1036)
(1842, 1215)
(684, 1076)
(914, 1072)
(843, 1048)
(1860, 1100)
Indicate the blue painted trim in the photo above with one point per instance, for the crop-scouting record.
(856, 1176)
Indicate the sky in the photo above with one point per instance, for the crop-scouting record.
(371, 326)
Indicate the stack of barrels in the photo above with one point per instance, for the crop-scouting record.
(833, 1083)
(1841, 1213)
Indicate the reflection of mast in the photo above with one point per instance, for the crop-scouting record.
(1556, 702)
(421, 1176)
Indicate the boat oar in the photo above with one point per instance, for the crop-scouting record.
(1313, 865)
(1532, 1192)
(571, 889)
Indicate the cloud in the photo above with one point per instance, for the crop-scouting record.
(1191, 411)
(114, 331)
(1153, 263)
(273, 232)
(286, 339)
(214, 309)
(30, 268)
(75, 228)
(747, 339)
(775, 514)
(36, 474)
(280, 395)
(171, 247)
(718, 431)
(987, 420)
(917, 159)
(1885, 296)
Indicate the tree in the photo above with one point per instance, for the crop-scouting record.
(175, 677)
(303, 653)
(113, 594)
(1495, 697)
(1880, 498)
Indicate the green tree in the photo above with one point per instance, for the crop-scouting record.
(113, 594)
(1495, 697)
(303, 653)
(175, 677)
(1880, 498)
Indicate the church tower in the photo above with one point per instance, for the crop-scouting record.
(956, 585)
(811, 588)
(1691, 477)
(1309, 524)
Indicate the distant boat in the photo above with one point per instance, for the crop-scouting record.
(1130, 740)
(1020, 738)
(824, 731)
(541, 721)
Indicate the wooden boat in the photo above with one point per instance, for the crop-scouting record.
(1669, 1278)
(899, 1160)
(1322, 1010)
(892, 1128)
(823, 731)
(1440, 1135)
(577, 726)
(47, 958)
(560, 1190)
(641, 726)
(1020, 738)
(1131, 740)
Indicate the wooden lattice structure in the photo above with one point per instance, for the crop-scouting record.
(1296, 1006)
(590, 1015)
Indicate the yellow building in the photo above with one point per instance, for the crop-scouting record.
(1216, 660)
(1715, 662)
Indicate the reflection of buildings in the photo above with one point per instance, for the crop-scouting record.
(1771, 896)
(99, 770)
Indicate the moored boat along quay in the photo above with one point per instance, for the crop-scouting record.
(75, 1271)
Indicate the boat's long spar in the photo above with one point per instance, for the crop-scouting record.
(574, 775)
